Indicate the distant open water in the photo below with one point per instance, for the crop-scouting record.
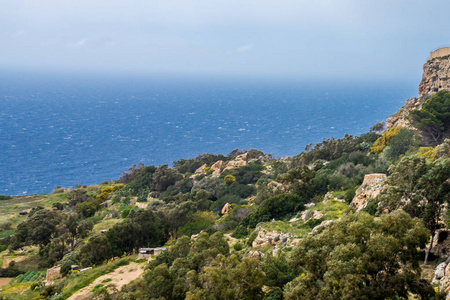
(67, 130)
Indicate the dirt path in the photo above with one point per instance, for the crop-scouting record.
(121, 276)
(5, 281)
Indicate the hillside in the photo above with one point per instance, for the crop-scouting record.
(350, 218)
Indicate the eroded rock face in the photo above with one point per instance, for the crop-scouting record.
(371, 187)
(400, 118)
(201, 170)
(217, 167)
(436, 77)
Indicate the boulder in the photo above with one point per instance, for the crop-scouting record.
(270, 238)
(226, 209)
(253, 254)
(320, 226)
(439, 272)
(311, 214)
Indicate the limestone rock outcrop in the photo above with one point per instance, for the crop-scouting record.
(371, 187)
(201, 170)
(270, 238)
(318, 228)
(226, 209)
(442, 278)
(239, 161)
(311, 214)
(436, 77)
(217, 167)
(400, 118)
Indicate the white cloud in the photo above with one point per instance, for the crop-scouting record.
(245, 48)
(79, 44)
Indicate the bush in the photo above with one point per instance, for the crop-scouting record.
(274, 207)
(229, 179)
(251, 238)
(383, 141)
(5, 197)
(240, 232)
(400, 143)
(350, 194)
(67, 262)
(228, 198)
(238, 246)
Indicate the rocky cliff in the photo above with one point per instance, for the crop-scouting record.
(436, 77)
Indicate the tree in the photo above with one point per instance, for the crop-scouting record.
(41, 227)
(227, 278)
(299, 181)
(141, 228)
(421, 188)
(403, 185)
(165, 177)
(274, 207)
(433, 119)
(95, 251)
(278, 271)
(435, 189)
(361, 257)
(400, 143)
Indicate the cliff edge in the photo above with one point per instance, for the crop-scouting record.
(435, 77)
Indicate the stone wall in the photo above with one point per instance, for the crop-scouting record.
(440, 52)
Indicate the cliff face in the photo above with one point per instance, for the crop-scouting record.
(436, 77)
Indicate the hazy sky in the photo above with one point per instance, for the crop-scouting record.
(303, 39)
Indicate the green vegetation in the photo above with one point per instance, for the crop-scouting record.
(272, 203)
(433, 119)
(360, 257)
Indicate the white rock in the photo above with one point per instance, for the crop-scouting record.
(440, 271)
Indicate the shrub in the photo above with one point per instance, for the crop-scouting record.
(251, 238)
(350, 194)
(229, 179)
(240, 232)
(274, 207)
(238, 246)
(400, 143)
(383, 141)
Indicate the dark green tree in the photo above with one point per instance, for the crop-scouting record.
(95, 251)
(433, 119)
(361, 257)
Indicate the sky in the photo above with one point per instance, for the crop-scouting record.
(338, 39)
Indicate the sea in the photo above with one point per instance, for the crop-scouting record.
(69, 129)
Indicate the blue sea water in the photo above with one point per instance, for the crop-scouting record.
(71, 129)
